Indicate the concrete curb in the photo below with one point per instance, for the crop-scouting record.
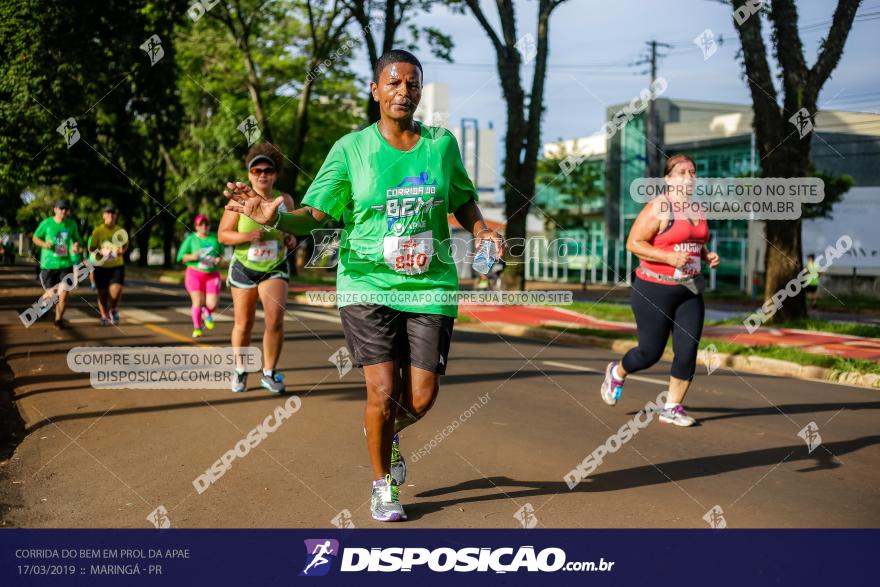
(748, 364)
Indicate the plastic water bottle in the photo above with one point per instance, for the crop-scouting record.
(485, 257)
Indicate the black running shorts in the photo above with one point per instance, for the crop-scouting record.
(49, 278)
(376, 334)
(104, 276)
(243, 278)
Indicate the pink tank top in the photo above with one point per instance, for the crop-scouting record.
(679, 235)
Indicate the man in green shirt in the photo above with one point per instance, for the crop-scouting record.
(59, 241)
(393, 184)
(812, 288)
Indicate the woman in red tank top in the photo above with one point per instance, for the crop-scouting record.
(669, 237)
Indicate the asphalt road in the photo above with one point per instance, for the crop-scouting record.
(108, 458)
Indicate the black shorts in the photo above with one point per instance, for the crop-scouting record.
(376, 334)
(104, 276)
(49, 278)
(241, 277)
(811, 288)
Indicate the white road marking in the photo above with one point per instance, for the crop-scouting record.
(313, 316)
(602, 372)
(140, 315)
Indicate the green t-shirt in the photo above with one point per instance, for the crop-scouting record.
(395, 205)
(207, 248)
(61, 235)
(268, 253)
(813, 272)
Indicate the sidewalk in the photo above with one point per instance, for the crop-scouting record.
(853, 347)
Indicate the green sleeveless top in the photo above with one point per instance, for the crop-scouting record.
(266, 254)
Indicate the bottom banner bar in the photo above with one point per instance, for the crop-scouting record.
(512, 557)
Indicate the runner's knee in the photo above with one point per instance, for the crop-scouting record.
(380, 397)
(423, 398)
(683, 369)
(642, 357)
(275, 324)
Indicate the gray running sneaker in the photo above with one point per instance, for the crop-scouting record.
(273, 382)
(612, 387)
(239, 381)
(398, 465)
(677, 416)
(385, 503)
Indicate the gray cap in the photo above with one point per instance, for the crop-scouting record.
(259, 158)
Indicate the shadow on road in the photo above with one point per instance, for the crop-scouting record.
(726, 413)
(642, 476)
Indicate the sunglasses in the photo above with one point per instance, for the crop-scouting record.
(263, 170)
(64, 209)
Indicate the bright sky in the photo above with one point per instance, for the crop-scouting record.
(593, 43)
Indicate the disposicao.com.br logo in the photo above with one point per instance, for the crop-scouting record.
(442, 560)
(320, 554)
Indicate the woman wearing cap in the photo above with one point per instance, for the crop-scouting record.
(201, 251)
(393, 183)
(258, 269)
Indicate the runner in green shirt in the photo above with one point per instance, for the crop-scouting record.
(812, 288)
(201, 252)
(393, 185)
(58, 239)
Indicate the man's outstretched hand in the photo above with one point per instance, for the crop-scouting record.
(244, 200)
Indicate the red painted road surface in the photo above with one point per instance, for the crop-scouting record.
(853, 347)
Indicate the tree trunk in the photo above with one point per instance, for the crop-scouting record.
(143, 235)
(783, 258)
(783, 153)
(522, 140)
(302, 128)
(253, 85)
(517, 198)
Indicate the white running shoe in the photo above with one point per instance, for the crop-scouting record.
(677, 416)
(612, 387)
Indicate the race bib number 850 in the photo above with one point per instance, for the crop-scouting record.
(410, 255)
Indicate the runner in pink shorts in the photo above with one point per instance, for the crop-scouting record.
(201, 251)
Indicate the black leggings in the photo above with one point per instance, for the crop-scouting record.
(658, 309)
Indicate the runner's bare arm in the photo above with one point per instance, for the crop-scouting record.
(243, 200)
(227, 233)
(40, 242)
(709, 257)
(471, 219)
(645, 228)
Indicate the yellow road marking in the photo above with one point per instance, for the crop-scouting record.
(174, 335)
